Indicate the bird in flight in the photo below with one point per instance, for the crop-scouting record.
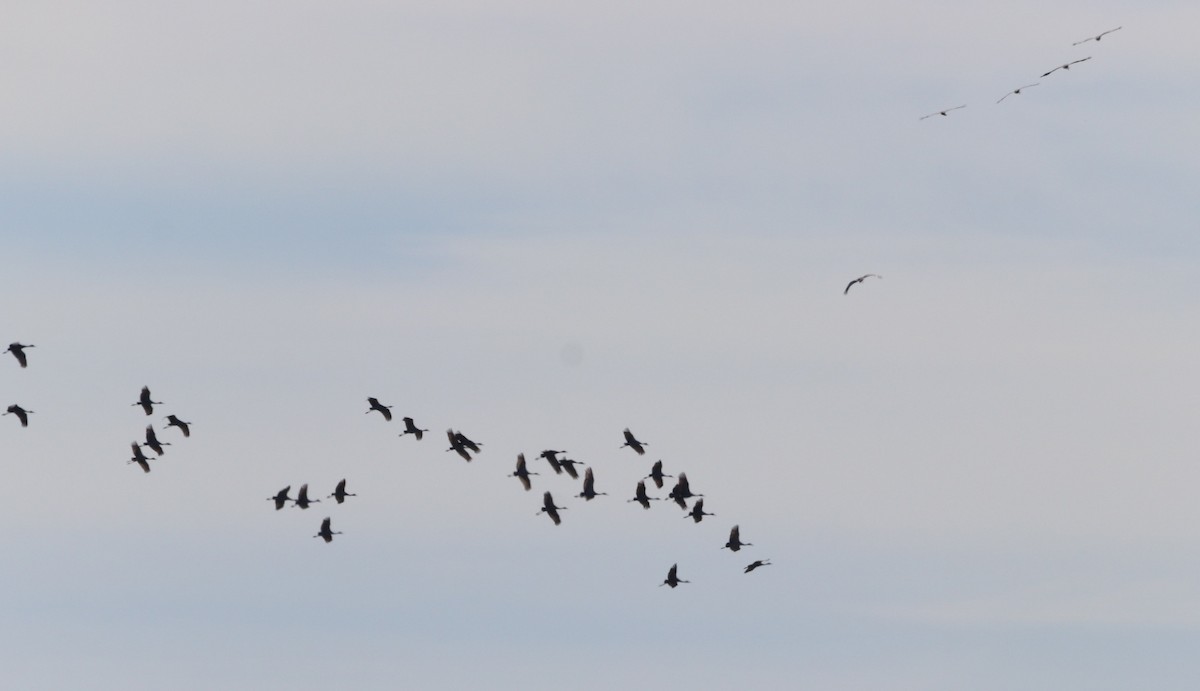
(1067, 66)
(860, 279)
(325, 533)
(140, 458)
(340, 492)
(1096, 37)
(522, 472)
(673, 577)
(153, 442)
(383, 409)
(942, 112)
(302, 499)
(633, 443)
(641, 497)
(18, 351)
(698, 513)
(550, 509)
(461, 445)
(281, 497)
(145, 402)
(657, 475)
(735, 541)
(589, 486)
(1017, 91)
(755, 565)
(21, 413)
(411, 428)
(173, 421)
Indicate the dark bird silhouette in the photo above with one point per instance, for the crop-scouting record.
(21, 413)
(941, 112)
(735, 541)
(145, 402)
(522, 473)
(340, 493)
(140, 458)
(640, 496)
(153, 442)
(589, 486)
(551, 457)
(383, 409)
(410, 428)
(302, 499)
(173, 421)
(18, 351)
(752, 566)
(634, 443)
(549, 508)
(697, 513)
(281, 497)
(1067, 66)
(568, 465)
(325, 533)
(1018, 90)
(860, 279)
(461, 445)
(656, 474)
(673, 577)
(1097, 37)
(682, 491)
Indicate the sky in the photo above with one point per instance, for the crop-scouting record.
(541, 223)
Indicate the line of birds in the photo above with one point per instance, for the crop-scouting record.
(147, 404)
(18, 351)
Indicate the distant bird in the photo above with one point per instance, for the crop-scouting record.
(569, 466)
(589, 486)
(1066, 66)
(522, 473)
(173, 421)
(302, 499)
(697, 513)
(549, 508)
(410, 428)
(633, 443)
(1097, 37)
(461, 445)
(1018, 90)
(860, 279)
(752, 566)
(140, 458)
(21, 413)
(145, 402)
(640, 496)
(376, 405)
(281, 497)
(551, 457)
(656, 474)
(325, 533)
(18, 351)
(941, 112)
(153, 442)
(682, 491)
(340, 493)
(673, 577)
(735, 541)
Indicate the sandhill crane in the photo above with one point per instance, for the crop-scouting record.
(411, 428)
(569, 466)
(682, 491)
(173, 421)
(1097, 37)
(697, 513)
(340, 493)
(633, 443)
(21, 413)
(1018, 90)
(941, 112)
(735, 541)
(589, 486)
(522, 473)
(145, 402)
(551, 457)
(673, 577)
(302, 499)
(383, 409)
(457, 445)
(281, 497)
(139, 457)
(860, 279)
(640, 496)
(657, 475)
(18, 351)
(754, 565)
(153, 442)
(1067, 66)
(325, 533)
(548, 507)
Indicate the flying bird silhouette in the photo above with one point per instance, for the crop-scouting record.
(860, 279)
(340, 493)
(550, 509)
(735, 541)
(673, 577)
(551, 457)
(153, 442)
(1096, 37)
(640, 496)
(589, 486)
(173, 421)
(325, 533)
(1067, 66)
(657, 475)
(754, 565)
(461, 445)
(21, 413)
(281, 497)
(1017, 90)
(697, 513)
(633, 443)
(941, 112)
(410, 428)
(140, 458)
(682, 491)
(568, 465)
(302, 499)
(522, 472)
(145, 402)
(383, 409)
(18, 351)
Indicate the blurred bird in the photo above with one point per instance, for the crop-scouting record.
(140, 458)
(735, 542)
(340, 493)
(281, 497)
(1097, 37)
(633, 443)
(569, 466)
(860, 279)
(673, 577)
(589, 486)
(153, 442)
(551, 457)
(522, 473)
(941, 112)
(145, 402)
(1066, 66)
(697, 513)
(1017, 90)
(173, 421)
(376, 405)
(640, 496)
(755, 565)
(18, 351)
(325, 533)
(682, 491)
(410, 428)
(460, 444)
(21, 413)
(302, 499)
(549, 508)
(656, 474)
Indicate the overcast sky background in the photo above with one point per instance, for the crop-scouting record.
(541, 223)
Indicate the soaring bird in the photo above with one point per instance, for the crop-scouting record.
(634, 443)
(1097, 37)
(139, 457)
(697, 513)
(551, 457)
(860, 279)
(549, 508)
(21, 413)
(682, 491)
(340, 493)
(410, 428)
(325, 533)
(18, 351)
(173, 421)
(376, 405)
(153, 442)
(942, 112)
(589, 486)
(569, 466)
(522, 472)
(735, 542)
(145, 402)
(752, 566)
(461, 444)
(1017, 90)
(640, 496)
(673, 577)
(281, 497)
(1066, 66)
(302, 499)
(656, 474)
